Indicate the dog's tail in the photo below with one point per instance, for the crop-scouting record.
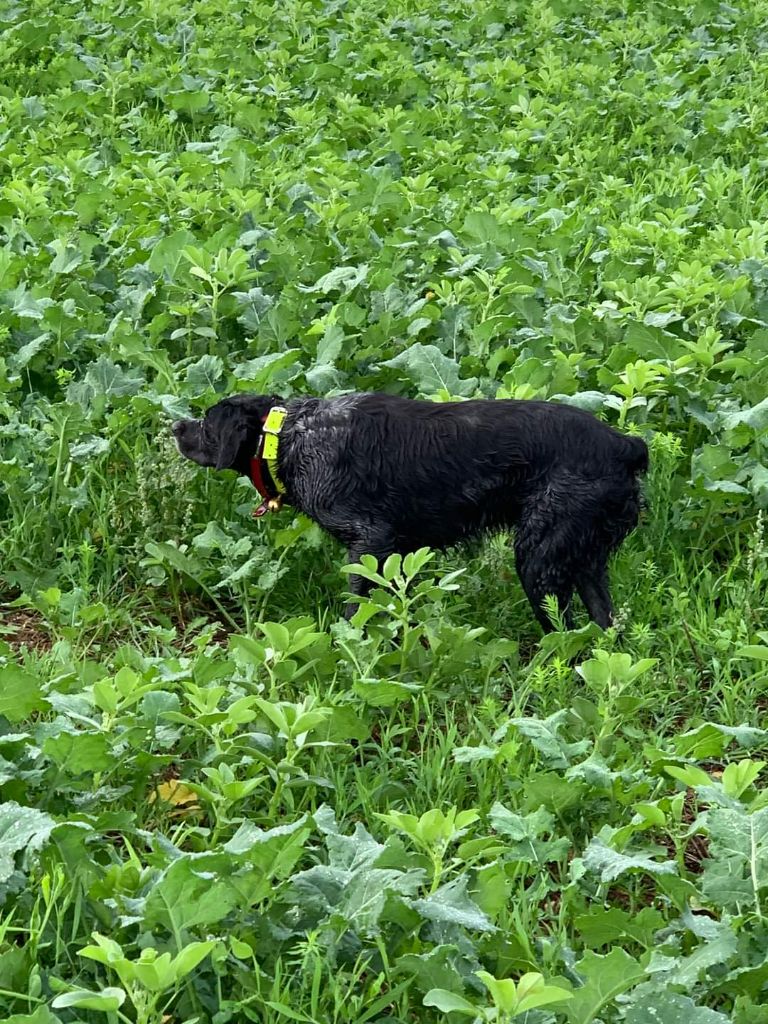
(635, 454)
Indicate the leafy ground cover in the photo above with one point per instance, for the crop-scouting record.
(219, 802)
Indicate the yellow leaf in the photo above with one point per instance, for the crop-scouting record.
(174, 792)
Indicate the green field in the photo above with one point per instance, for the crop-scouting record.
(219, 801)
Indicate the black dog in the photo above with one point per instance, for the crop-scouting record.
(385, 474)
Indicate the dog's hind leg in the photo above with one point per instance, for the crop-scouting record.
(556, 542)
(614, 514)
(544, 561)
(564, 538)
(593, 591)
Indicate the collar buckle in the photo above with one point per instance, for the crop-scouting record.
(268, 505)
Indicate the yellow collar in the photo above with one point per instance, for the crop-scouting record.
(273, 424)
(264, 463)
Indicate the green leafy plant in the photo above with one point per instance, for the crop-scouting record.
(149, 982)
(235, 804)
(509, 999)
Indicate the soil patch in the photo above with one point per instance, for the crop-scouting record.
(23, 628)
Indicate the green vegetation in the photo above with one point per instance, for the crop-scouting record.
(218, 801)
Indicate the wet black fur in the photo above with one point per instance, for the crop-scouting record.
(384, 474)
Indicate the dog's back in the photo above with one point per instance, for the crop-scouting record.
(440, 471)
(520, 437)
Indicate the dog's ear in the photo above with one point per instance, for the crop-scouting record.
(232, 435)
(233, 426)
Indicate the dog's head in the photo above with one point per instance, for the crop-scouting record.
(228, 435)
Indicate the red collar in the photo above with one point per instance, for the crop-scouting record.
(262, 481)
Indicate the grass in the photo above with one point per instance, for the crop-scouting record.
(218, 800)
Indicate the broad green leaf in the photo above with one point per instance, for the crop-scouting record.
(391, 567)
(20, 694)
(330, 345)
(249, 836)
(22, 830)
(712, 738)
(344, 724)
(89, 449)
(526, 831)
(443, 966)
(466, 755)
(415, 561)
(592, 401)
(190, 102)
(205, 375)
(485, 228)
(521, 826)
(79, 752)
(241, 949)
(278, 636)
(756, 417)
(66, 257)
(351, 888)
(385, 693)
(544, 735)
(308, 721)
(107, 378)
(187, 960)
(598, 671)
(166, 254)
(595, 674)
(503, 991)
(104, 951)
(605, 978)
(605, 926)
(271, 855)
(759, 652)
(365, 896)
(610, 864)
(156, 974)
(740, 775)
(26, 353)
(450, 905)
(169, 553)
(736, 870)
(716, 952)
(185, 896)
(409, 824)
(107, 999)
(42, 1015)
(368, 568)
(263, 372)
(758, 484)
(431, 371)
(532, 992)
(690, 775)
(449, 1002)
(666, 1007)
(276, 714)
(342, 279)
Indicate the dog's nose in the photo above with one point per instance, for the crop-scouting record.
(176, 427)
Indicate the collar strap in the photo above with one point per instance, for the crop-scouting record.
(264, 471)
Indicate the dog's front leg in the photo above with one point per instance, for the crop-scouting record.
(381, 546)
(359, 586)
